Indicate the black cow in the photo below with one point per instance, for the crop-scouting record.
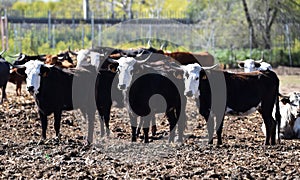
(224, 92)
(4, 75)
(62, 89)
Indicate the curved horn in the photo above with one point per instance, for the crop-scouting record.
(162, 46)
(149, 43)
(239, 61)
(22, 57)
(143, 61)
(259, 61)
(211, 67)
(112, 60)
(2, 52)
(14, 56)
(140, 54)
(19, 66)
(48, 65)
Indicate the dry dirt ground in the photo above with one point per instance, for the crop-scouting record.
(242, 155)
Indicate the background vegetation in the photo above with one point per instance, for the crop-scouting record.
(229, 29)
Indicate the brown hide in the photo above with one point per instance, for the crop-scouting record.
(53, 60)
(16, 78)
(184, 58)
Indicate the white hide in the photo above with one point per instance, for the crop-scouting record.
(33, 74)
(191, 79)
(249, 65)
(82, 58)
(264, 66)
(288, 112)
(125, 68)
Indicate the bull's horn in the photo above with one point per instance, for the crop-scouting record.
(2, 52)
(112, 60)
(149, 43)
(239, 61)
(22, 57)
(14, 56)
(162, 46)
(143, 61)
(140, 54)
(211, 67)
(48, 65)
(19, 66)
(259, 61)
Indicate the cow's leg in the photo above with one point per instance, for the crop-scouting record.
(146, 125)
(172, 121)
(153, 127)
(219, 130)
(91, 125)
(18, 89)
(107, 119)
(44, 123)
(181, 123)
(57, 119)
(139, 127)
(133, 123)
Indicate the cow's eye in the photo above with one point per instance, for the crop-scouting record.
(131, 72)
(187, 75)
(197, 78)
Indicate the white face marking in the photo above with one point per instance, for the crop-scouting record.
(125, 72)
(33, 74)
(295, 103)
(264, 66)
(191, 79)
(95, 59)
(82, 58)
(249, 65)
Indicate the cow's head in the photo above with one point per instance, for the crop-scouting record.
(191, 78)
(126, 68)
(294, 101)
(33, 72)
(86, 57)
(249, 65)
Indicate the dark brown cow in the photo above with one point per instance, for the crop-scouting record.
(16, 78)
(184, 58)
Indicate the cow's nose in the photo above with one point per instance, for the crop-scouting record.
(189, 94)
(30, 89)
(122, 86)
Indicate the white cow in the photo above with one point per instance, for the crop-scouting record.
(290, 117)
(250, 65)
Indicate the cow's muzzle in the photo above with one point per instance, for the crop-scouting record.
(122, 86)
(189, 94)
(30, 89)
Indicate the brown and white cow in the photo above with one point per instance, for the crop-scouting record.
(184, 58)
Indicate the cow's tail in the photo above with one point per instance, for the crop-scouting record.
(278, 116)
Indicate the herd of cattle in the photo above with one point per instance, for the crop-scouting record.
(131, 78)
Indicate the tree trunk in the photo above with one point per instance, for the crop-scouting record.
(250, 25)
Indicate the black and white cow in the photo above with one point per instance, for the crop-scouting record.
(142, 79)
(223, 93)
(250, 65)
(56, 90)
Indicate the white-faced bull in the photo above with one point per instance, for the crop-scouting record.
(250, 65)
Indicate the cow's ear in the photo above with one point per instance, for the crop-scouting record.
(44, 71)
(285, 100)
(257, 65)
(241, 64)
(178, 74)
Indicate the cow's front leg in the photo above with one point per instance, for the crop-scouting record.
(57, 119)
(44, 123)
(133, 123)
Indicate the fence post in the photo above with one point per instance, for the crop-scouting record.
(288, 43)
(99, 34)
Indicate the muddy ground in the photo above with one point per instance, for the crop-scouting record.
(242, 155)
